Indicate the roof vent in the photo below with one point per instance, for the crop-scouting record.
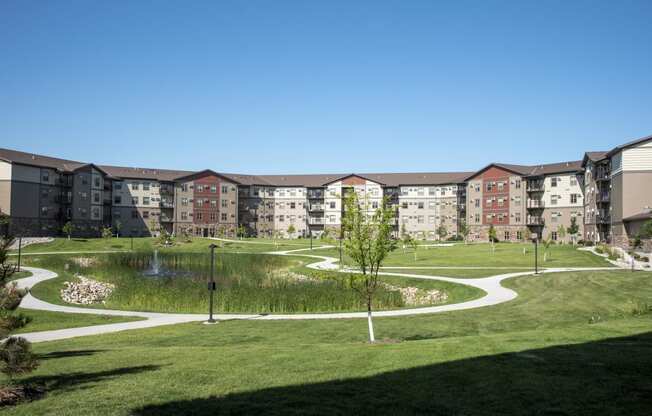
(33, 157)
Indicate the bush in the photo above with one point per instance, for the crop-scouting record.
(645, 259)
(599, 250)
(588, 243)
(455, 238)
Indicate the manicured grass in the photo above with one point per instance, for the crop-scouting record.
(20, 275)
(537, 354)
(458, 273)
(514, 255)
(45, 320)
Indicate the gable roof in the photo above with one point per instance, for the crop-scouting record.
(556, 168)
(518, 169)
(204, 172)
(123, 172)
(629, 144)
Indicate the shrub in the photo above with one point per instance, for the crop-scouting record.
(107, 232)
(456, 237)
(599, 250)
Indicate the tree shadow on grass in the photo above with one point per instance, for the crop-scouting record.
(612, 376)
(82, 380)
(67, 354)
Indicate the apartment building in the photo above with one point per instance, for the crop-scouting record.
(619, 191)
(609, 194)
(520, 200)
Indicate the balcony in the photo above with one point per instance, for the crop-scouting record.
(64, 181)
(535, 186)
(63, 199)
(603, 219)
(536, 204)
(315, 194)
(603, 197)
(534, 221)
(316, 220)
(166, 204)
(165, 218)
(316, 208)
(603, 175)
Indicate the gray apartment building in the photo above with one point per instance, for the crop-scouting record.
(608, 195)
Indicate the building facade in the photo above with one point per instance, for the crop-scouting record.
(607, 196)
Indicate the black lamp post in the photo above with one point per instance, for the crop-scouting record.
(310, 231)
(340, 252)
(535, 240)
(211, 285)
(20, 246)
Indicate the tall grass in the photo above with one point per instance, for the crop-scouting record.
(247, 283)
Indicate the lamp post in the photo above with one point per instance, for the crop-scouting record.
(536, 254)
(340, 252)
(132, 242)
(310, 231)
(20, 246)
(211, 285)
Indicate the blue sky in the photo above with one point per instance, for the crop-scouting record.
(331, 86)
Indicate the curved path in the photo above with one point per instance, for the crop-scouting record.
(495, 294)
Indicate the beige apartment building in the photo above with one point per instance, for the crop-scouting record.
(608, 195)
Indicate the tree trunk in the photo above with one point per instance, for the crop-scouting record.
(370, 323)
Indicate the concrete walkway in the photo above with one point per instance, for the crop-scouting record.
(495, 294)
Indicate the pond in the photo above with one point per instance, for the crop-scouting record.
(169, 281)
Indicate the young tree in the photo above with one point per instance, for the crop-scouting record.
(464, 231)
(68, 229)
(241, 231)
(368, 240)
(107, 232)
(546, 246)
(573, 229)
(15, 353)
(646, 230)
(415, 245)
(118, 227)
(291, 230)
(442, 232)
(492, 234)
(406, 238)
(561, 233)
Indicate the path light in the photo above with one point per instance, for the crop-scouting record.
(20, 245)
(211, 286)
(536, 256)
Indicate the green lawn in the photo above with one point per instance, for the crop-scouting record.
(514, 255)
(538, 354)
(20, 275)
(458, 273)
(45, 320)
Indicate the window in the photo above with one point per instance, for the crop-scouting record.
(501, 186)
(199, 216)
(553, 199)
(332, 204)
(225, 203)
(225, 189)
(213, 189)
(83, 195)
(489, 186)
(553, 235)
(46, 176)
(573, 198)
(134, 200)
(404, 205)
(117, 199)
(84, 181)
(374, 205)
(213, 203)
(573, 181)
(517, 217)
(184, 187)
(431, 191)
(431, 219)
(507, 236)
(96, 197)
(420, 205)
(134, 186)
(420, 191)
(420, 219)
(477, 218)
(517, 184)
(184, 202)
(519, 235)
(404, 219)
(477, 202)
(223, 216)
(145, 200)
(293, 205)
(213, 216)
(44, 210)
(184, 216)
(97, 181)
(554, 182)
(95, 213)
(281, 218)
(145, 214)
(432, 205)
(117, 186)
(517, 201)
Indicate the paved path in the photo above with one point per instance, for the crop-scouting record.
(495, 294)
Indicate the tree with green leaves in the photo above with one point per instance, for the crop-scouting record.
(16, 355)
(646, 230)
(527, 234)
(118, 227)
(291, 230)
(367, 241)
(573, 229)
(107, 233)
(464, 231)
(493, 237)
(5, 220)
(415, 245)
(561, 233)
(68, 228)
(546, 248)
(442, 232)
(406, 238)
(241, 231)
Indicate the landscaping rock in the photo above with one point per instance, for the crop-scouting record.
(415, 297)
(86, 291)
(26, 241)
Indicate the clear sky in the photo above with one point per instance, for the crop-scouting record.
(323, 86)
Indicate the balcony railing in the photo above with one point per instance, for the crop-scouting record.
(315, 194)
(316, 207)
(165, 218)
(604, 197)
(167, 190)
(603, 175)
(315, 220)
(166, 204)
(535, 186)
(603, 219)
(536, 203)
(534, 221)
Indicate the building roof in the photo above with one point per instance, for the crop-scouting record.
(629, 144)
(31, 159)
(646, 214)
(556, 168)
(144, 173)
